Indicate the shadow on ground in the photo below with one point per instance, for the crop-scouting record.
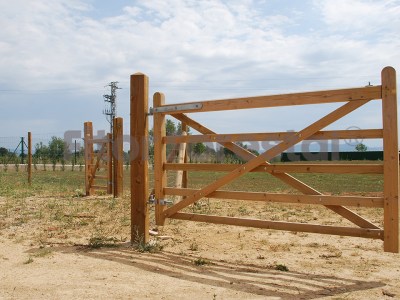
(250, 279)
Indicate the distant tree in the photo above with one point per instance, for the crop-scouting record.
(179, 129)
(199, 148)
(57, 148)
(3, 151)
(170, 127)
(41, 151)
(361, 147)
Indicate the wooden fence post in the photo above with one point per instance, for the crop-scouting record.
(109, 164)
(160, 158)
(390, 161)
(139, 86)
(29, 157)
(118, 155)
(88, 132)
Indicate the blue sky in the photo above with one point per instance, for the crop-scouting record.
(57, 56)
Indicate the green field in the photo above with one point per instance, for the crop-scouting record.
(72, 183)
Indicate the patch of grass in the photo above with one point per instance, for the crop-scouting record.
(150, 247)
(194, 246)
(280, 267)
(100, 241)
(279, 247)
(28, 261)
(200, 262)
(43, 252)
(153, 246)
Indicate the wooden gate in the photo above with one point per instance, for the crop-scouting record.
(109, 157)
(353, 99)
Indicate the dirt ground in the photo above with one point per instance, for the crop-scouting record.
(69, 248)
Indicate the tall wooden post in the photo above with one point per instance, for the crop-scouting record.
(390, 161)
(109, 164)
(88, 132)
(139, 158)
(160, 158)
(29, 157)
(118, 156)
(185, 173)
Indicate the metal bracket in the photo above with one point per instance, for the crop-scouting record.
(164, 202)
(152, 199)
(171, 108)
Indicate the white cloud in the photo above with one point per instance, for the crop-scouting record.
(195, 49)
(360, 15)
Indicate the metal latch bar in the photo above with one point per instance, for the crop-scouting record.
(169, 108)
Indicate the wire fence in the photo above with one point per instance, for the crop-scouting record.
(47, 150)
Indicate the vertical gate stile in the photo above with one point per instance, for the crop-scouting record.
(160, 157)
(185, 160)
(109, 164)
(88, 132)
(390, 161)
(181, 159)
(118, 157)
(139, 87)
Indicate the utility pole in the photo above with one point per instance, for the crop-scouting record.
(111, 100)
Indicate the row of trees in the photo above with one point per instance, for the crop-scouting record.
(55, 151)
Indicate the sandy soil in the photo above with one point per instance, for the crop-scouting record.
(48, 258)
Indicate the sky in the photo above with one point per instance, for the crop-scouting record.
(57, 57)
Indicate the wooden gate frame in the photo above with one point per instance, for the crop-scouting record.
(353, 98)
(110, 156)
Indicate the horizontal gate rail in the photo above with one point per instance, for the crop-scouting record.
(273, 136)
(282, 168)
(288, 226)
(285, 198)
(329, 96)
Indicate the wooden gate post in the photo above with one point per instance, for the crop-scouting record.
(88, 132)
(109, 164)
(118, 155)
(160, 158)
(139, 158)
(29, 157)
(390, 161)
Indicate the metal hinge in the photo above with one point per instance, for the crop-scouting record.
(153, 200)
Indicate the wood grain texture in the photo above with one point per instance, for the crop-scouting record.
(328, 96)
(160, 158)
(288, 226)
(139, 86)
(390, 160)
(285, 198)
